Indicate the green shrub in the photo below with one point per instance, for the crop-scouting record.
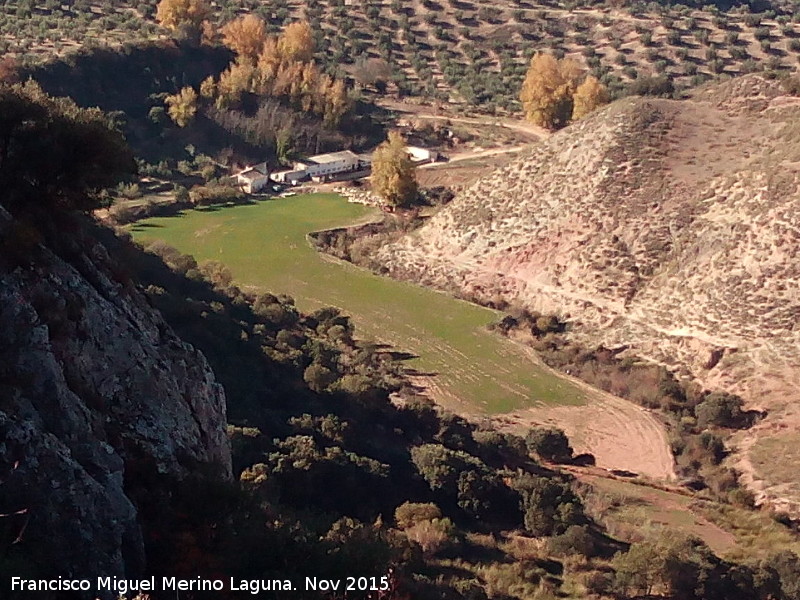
(652, 86)
(549, 444)
(206, 195)
(576, 540)
(720, 410)
(409, 514)
(43, 138)
(550, 506)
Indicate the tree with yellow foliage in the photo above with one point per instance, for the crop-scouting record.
(393, 174)
(245, 36)
(267, 65)
(287, 80)
(296, 42)
(233, 82)
(175, 14)
(208, 33)
(548, 89)
(208, 87)
(589, 96)
(309, 85)
(336, 102)
(182, 106)
(281, 67)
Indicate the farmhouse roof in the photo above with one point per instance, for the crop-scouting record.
(254, 171)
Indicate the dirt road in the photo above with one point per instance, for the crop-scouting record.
(473, 154)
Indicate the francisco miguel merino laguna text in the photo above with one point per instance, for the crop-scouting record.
(198, 584)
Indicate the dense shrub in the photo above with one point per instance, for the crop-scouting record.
(56, 155)
(550, 506)
(651, 86)
(576, 540)
(721, 410)
(549, 444)
(206, 195)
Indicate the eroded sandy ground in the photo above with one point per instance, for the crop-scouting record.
(618, 433)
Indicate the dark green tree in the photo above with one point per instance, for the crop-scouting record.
(55, 155)
(549, 444)
(549, 505)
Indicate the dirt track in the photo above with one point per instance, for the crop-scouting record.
(618, 433)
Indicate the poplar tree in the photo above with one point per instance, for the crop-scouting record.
(182, 106)
(245, 36)
(548, 90)
(174, 14)
(296, 43)
(393, 173)
(589, 96)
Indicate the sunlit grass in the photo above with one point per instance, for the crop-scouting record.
(265, 246)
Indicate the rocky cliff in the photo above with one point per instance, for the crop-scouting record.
(670, 227)
(93, 386)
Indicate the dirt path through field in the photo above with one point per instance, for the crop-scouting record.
(429, 113)
(663, 507)
(620, 434)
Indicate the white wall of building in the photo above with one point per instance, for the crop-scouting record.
(333, 167)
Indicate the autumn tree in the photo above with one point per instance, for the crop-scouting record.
(589, 96)
(296, 43)
(336, 102)
(548, 90)
(267, 64)
(393, 173)
(208, 88)
(9, 70)
(279, 67)
(208, 33)
(233, 82)
(178, 14)
(245, 36)
(182, 106)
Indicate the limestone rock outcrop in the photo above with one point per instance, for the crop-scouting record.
(93, 385)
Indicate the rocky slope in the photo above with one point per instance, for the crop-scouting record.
(93, 387)
(672, 227)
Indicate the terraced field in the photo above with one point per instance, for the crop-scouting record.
(265, 246)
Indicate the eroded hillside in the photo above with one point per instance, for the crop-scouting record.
(668, 226)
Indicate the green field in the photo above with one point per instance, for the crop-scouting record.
(265, 246)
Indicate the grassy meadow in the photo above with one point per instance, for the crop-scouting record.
(265, 246)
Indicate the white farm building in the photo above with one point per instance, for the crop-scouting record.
(253, 179)
(322, 167)
(328, 165)
(422, 155)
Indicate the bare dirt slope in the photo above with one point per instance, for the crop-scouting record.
(672, 227)
(618, 433)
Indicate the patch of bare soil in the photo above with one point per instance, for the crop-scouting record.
(618, 433)
(465, 168)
